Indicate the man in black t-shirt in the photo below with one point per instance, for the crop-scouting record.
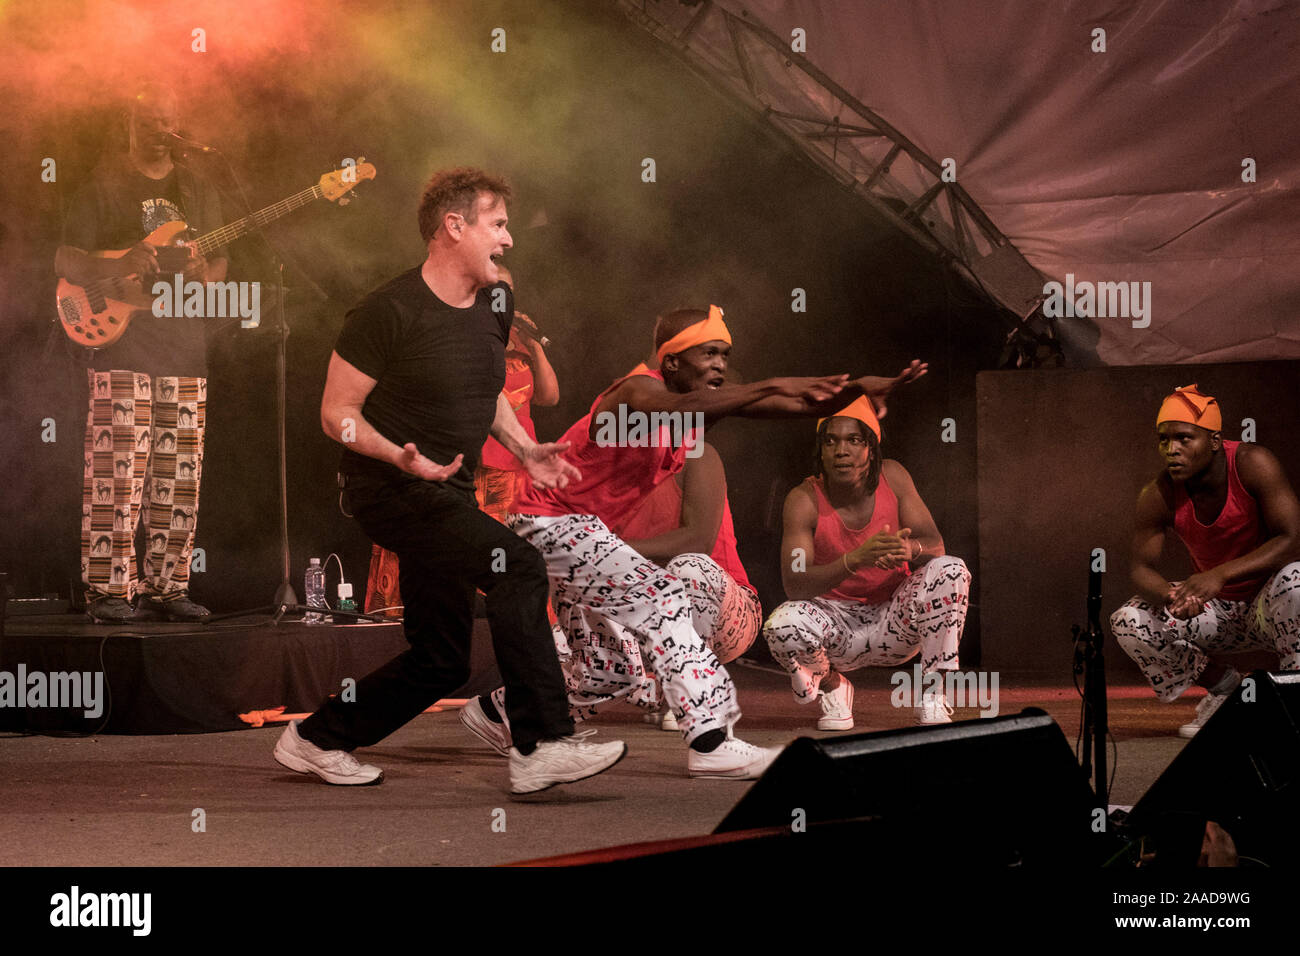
(148, 390)
(413, 388)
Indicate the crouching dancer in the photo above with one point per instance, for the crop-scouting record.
(413, 386)
(1231, 504)
(685, 526)
(865, 568)
(612, 600)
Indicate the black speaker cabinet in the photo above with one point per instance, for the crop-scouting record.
(1242, 771)
(1000, 792)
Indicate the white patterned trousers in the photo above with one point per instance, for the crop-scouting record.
(622, 610)
(726, 614)
(926, 614)
(1173, 653)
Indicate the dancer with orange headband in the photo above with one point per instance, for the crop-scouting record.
(1232, 506)
(865, 568)
(685, 526)
(622, 607)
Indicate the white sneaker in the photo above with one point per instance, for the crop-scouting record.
(663, 719)
(562, 761)
(496, 734)
(332, 766)
(1204, 711)
(732, 760)
(837, 707)
(933, 709)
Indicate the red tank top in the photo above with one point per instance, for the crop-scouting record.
(1236, 531)
(833, 538)
(661, 511)
(615, 479)
(519, 392)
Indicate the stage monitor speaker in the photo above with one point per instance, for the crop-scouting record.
(1000, 792)
(1242, 770)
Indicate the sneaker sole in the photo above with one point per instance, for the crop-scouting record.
(471, 724)
(298, 765)
(835, 724)
(569, 778)
(748, 772)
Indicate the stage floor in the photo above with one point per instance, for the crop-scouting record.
(130, 800)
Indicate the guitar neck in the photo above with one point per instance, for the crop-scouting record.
(240, 227)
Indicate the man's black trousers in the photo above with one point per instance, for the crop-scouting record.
(446, 549)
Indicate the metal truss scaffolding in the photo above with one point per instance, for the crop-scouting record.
(758, 69)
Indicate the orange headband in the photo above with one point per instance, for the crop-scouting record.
(711, 329)
(861, 409)
(1189, 404)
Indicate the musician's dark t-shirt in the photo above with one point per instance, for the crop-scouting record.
(438, 372)
(115, 210)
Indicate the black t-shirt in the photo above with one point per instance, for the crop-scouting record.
(438, 372)
(115, 210)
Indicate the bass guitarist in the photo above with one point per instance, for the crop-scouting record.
(148, 390)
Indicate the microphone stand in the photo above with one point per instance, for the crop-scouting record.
(1090, 661)
(286, 598)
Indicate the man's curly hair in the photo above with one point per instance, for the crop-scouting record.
(456, 190)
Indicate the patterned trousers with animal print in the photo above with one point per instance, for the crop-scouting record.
(926, 614)
(625, 613)
(144, 459)
(1172, 652)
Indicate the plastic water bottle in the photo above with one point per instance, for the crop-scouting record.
(314, 585)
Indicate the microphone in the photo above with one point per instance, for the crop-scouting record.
(529, 332)
(178, 140)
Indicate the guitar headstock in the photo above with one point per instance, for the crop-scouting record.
(342, 181)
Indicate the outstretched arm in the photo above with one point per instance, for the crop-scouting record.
(876, 387)
(642, 393)
(768, 398)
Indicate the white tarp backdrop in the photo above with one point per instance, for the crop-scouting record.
(1117, 166)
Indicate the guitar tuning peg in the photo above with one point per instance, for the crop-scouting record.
(352, 193)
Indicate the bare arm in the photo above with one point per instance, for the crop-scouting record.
(803, 581)
(875, 387)
(922, 537)
(546, 387)
(1153, 520)
(645, 394)
(704, 489)
(542, 461)
(1262, 476)
(346, 388)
